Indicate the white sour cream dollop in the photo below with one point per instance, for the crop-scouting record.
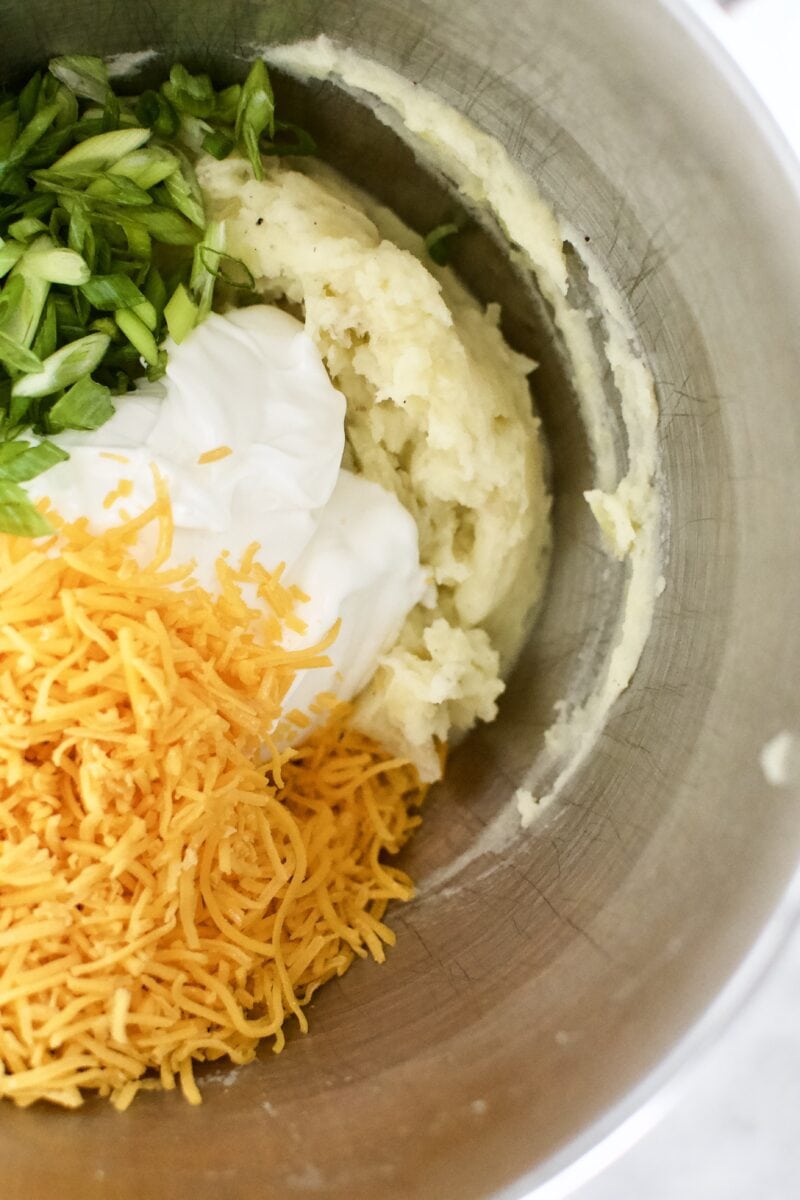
(254, 381)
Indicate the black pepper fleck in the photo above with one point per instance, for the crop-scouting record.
(260, 221)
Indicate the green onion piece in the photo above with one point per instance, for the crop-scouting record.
(87, 405)
(193, 94)
(181, 314)
(302, 142)
(10, 253)
(117, 189)
(100, 152)
(226, 268)
(18, 516)
(227, 104)
(155, 290)
(32, 461)
(16, 357)
(9, 128)
(437, 242)
(34, 206)
(110, 292)
(202, 279)
(153, 110)
(46, 341)
(35, 129)
(217, 144)
(183, 192)
(137, 334)
(159, 368)
(26, 228)
(255, 114)
(105, 325)
(140, 245)
(14, 183)
(65, 367)
(67, 103)
(147, 313)
(146, 167)
(168, 227)
(83, 75)
(28, 99)
(10, 451)
(55, 264)
(22, 302)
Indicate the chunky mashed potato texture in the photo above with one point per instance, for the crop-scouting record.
(438, 412)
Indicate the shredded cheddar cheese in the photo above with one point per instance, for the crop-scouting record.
(123, 489)
(210, 456)
(173, 887)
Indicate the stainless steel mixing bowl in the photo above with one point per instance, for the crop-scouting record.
(530, 992)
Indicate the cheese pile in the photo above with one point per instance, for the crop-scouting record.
(172, 886)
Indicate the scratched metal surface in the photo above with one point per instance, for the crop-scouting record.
(531, 989)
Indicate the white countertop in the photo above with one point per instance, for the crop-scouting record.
(734, 1131)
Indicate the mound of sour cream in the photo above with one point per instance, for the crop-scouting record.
(252, 382)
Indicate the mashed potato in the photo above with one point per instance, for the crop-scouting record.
(438, 411)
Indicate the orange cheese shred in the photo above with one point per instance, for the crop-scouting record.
(210, 456)
(123, 489)
(173, 886)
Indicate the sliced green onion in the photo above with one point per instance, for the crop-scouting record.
(228, 269)
(117, 189)
(110, 292)
(26, 228)
(16, 357)
(217, 144)
(155, 290)
(155, 111)
(302, 142)
(147, 313)
(82, 74)
(55, 264)
(100, 152)
(193, 94)
(184, 193)
(11, 450)
(157, 369)
(147, 166)
(87, 405)
(10, 253)
(18, 516)
(9, 127)
(35, 129)
(437, 242)
(255, 114)
(46, 341)
(22, 302)
(67, 103)
(138, 334)
(65, 367)
(168, 227)
(227, 104)
(28, 100)
(140, 244)
(181, 314)
(32, 461)
(202, 280)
